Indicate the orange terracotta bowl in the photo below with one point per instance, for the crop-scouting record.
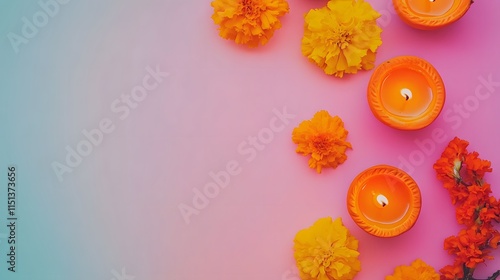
(406, 92)
(431, 14)
(384, 201)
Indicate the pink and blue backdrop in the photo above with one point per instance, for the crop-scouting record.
(117, 213)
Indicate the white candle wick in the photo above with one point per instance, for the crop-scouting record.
(406, 93)
(382, 200)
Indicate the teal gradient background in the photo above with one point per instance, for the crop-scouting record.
(118, 210)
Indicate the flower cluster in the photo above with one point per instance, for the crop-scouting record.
(326, 250)
(248, 22)
(324, 138)
(462, 174)
(342, 37)
(416, 271)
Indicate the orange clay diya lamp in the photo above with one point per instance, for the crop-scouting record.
(406, 92)
(431, 14)
(384, 201)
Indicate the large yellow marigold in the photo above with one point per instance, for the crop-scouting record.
(324, 138)
(248, 22)
(342, 37)
(326, 251)
(418, 270)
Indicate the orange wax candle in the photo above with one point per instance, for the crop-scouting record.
(384, 201)
(406, 92)
(431, 14)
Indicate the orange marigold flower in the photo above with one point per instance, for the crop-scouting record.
(326, 251)
(248, 22)
(324, 138)
(416, 271)
(342, 37)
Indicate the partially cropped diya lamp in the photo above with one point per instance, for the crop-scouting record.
(431, 14)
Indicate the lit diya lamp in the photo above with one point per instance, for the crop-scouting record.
(384, 201)
(406, 92)
(431, 14)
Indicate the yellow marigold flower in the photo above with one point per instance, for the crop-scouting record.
(326, 251)
(418, 270)
(342, 37)
(324, 138)
(248, 22)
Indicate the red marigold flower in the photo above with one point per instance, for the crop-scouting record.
(487, 215)
(481, 191)
(468, 247)
(467, 212)
(494, 240)
(457, 148)
(462, 175)
(494, 205)
(476, 167)
(452, 272)
(444, 170)
(450, 163)
(458, 193)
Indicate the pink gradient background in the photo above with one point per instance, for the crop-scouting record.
(228, 93)
(124, 199)
(120, 207)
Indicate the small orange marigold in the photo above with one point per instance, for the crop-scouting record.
(248, 22)
(324, 138)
